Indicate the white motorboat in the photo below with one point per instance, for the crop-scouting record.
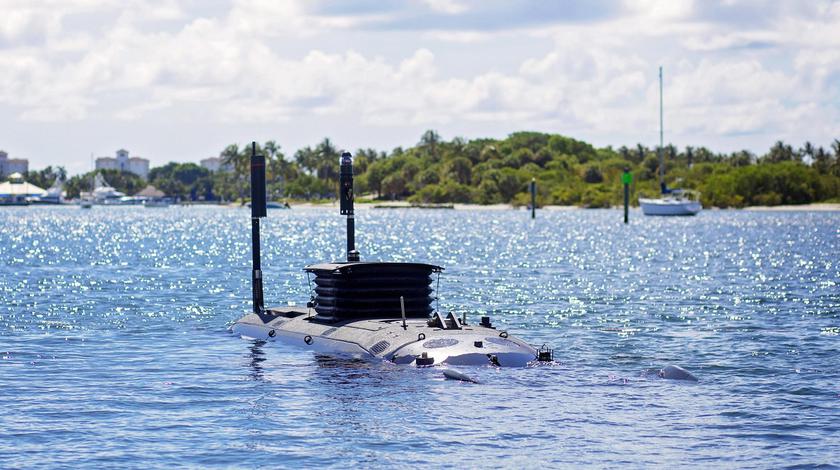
(53, 195)
(105, 194)
(373, 310)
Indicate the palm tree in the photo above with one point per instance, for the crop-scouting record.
(307, 159)
(624, 152)
(672, 151)
(231, 156)
(835, 166)
(327, 157)
(429, 141)
(689, 155)
(641, 151)
(704, 155)
(742, 158)
(822, 160)
(808, 150)
(271, 149)
(459, 145)
(240, 159)
(780, 153)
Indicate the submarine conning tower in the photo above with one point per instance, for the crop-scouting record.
(355, 289)
(346, 291)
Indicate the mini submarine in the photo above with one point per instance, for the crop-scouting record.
(373, 310)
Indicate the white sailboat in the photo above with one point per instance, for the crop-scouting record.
(671, 201)
(677, 202)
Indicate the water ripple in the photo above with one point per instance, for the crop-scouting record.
(114, 350)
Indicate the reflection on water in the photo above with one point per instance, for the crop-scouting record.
(113, 335)
(257, 358)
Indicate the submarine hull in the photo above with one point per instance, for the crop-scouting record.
(386, 339)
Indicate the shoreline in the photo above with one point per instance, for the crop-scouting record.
(814, 207)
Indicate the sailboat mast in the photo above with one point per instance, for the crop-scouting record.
(661, 143)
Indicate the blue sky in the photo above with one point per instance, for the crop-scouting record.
(179, 80)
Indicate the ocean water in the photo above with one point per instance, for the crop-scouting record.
(115, 353)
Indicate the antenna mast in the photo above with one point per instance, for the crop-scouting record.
(346, 204)
(257, 211)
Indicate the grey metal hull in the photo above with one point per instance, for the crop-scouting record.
(386, 339)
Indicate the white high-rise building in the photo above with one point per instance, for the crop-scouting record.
(12, 165)
(215, 164)
(138, 166)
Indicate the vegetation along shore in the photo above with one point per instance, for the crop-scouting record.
(569, 172)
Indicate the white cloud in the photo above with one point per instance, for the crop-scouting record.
(660, 10)
(450, 7)
(265, 62)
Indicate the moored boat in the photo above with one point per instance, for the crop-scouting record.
(672, 201)
(677, 202)
(53, 195)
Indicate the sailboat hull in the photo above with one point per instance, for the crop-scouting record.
(670, 207)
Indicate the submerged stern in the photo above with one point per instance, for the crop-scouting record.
(418, 342)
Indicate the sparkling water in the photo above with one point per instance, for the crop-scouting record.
(115, 350)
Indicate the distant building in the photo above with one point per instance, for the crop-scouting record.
(17, 191)
(138, 166)
(12, 165)
(215, 164)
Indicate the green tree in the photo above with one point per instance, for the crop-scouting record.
(394, 185)
(46, 177)
(593, 175)
(327, 160)
(780, 152)
(822, 161)
(429, 142)
(460, 169)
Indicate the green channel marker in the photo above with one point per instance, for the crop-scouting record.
(627, 178)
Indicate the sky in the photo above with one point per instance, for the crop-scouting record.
(180, 80)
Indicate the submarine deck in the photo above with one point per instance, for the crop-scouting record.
(384, 338)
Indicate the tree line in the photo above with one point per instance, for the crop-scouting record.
(490, 171)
